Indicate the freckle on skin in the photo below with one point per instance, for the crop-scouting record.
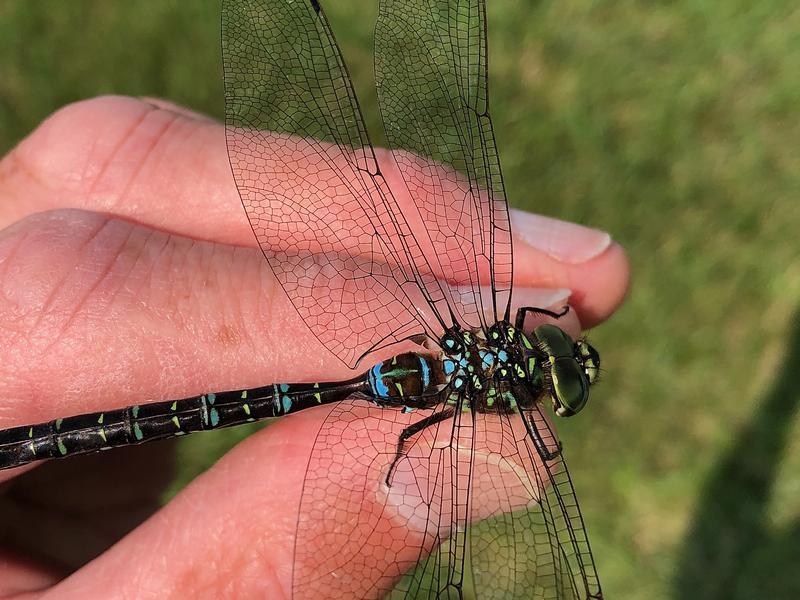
(228, 336)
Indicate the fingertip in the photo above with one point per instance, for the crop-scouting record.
(598, 286)
(601, 286)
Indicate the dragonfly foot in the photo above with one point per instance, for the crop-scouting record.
(410, 432)
(523, 312)
(547, 455)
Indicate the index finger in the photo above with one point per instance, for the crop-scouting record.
(167, 168)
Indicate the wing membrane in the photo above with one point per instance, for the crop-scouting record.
(431, 75)
(529, 540)
(321, 210)
(358, 537)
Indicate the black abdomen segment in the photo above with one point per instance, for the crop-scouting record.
(92, 432)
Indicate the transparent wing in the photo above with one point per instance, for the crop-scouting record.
(358, 537)
(431, 75)
(529, 539)
(326, 220)
(472, 511)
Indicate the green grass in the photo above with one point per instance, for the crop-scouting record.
(674, 126)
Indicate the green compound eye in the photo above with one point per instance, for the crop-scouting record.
(573, 367)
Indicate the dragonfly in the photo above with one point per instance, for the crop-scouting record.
(469, 492)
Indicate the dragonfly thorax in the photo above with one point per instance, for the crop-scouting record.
(548, 363)
(476, 359)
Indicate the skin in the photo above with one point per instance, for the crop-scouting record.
(128, 272)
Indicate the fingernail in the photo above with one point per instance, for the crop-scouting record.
(522, 296)
(565, 242)
(541, 297)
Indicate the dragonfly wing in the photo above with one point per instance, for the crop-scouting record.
(528, 540)
(358, 537)
(323, 214)
(431, 75)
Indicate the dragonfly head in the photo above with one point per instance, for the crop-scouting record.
(572, 366)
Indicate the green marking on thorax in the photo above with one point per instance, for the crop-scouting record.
(176, 421)
(400, 372)
(103, 435)
(58, 424)
(476, 382)
(137, 432)
(244, 395)
(246, 408)
(30, 432)
(174, 405)
(61, 447)
(101, 418)
(135, 412)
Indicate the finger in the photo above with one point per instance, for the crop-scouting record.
(68, 512)
(99, 313)
(162, 166)
(95, 310)
(229, 534)
(144, 160)
(21, 579)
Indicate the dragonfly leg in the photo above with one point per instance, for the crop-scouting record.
(523, 312)
(538, 441)
(411, 431)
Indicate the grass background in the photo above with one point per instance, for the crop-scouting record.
(672, 125)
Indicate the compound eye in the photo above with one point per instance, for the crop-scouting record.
(589, 359)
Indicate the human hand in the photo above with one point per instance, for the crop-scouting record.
(155, 289)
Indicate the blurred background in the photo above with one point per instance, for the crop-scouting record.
(675, 126)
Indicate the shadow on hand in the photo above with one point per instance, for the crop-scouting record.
(64, 513)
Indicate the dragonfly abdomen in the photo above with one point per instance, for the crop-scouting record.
(92, 432)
